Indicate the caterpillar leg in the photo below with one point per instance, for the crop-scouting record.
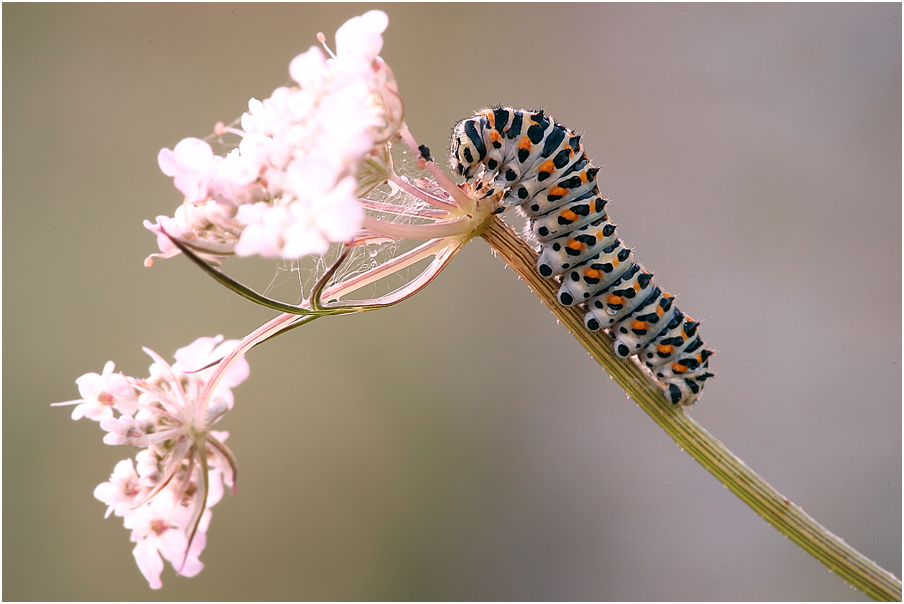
(685, 392)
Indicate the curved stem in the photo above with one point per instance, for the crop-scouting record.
(429, 230)
(788, 518)
(440, 260)
(425, 250)
(424, 196)
(399, 210)
(315, 300)
(232, 284)
(257, 336)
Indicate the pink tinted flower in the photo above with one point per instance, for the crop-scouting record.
(121, 491)
(125, 430)
(307, 69)
(191, 164)
(206, 351)
(361, 36)
(307, 226)
(165, 498)
(159, 530)
(263, 231)
(332, 216)
(259, 199)
(102, 393)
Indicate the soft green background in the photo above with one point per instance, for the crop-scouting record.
(463, 446)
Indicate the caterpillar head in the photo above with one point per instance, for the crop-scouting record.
(468, 148)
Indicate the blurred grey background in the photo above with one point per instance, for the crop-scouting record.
(462, 445)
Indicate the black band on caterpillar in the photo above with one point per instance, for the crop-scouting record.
(539, 166)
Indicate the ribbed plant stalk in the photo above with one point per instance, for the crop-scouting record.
(788, 518)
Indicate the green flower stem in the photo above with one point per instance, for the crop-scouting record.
(788, 518)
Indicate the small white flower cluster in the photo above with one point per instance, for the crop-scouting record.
(289, 188)
(164, 498)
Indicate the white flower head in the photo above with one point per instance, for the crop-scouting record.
(252, 200)
(164, 498)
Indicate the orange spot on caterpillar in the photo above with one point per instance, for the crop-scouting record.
(568, 215)
(547, 167)
(576, 245)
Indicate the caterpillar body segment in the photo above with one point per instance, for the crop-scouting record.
(539, 166)
(567, 218)
(575, 248)
(619, 299)
(586, 279)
